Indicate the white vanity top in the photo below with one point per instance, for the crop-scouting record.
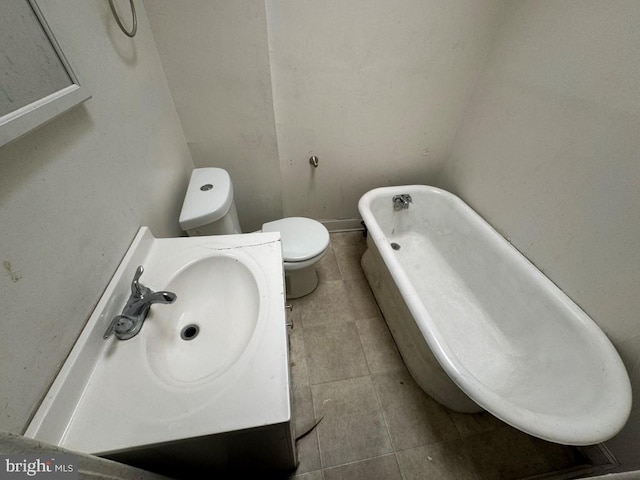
(113, 395)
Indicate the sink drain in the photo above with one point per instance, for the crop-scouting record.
(190, 332)
(395, 246)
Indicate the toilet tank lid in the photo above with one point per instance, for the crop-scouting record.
(209, 197)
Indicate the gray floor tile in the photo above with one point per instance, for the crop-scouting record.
(355, 237)
(378, 345)
(308, 454)
(412, 416)
(304, 414)
(379, 468)
(353, 426)
(348, 260)
(440, 461)
(334, 352)
(319, 318)
(506, 450)
(329, 296)
(327, 268)
(559, 457)
(361, 299)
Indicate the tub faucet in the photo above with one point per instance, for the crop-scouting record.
(129, 322)
(401, 202)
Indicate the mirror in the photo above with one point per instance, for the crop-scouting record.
(36, 81)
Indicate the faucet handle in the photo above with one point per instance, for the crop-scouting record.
(137, 289)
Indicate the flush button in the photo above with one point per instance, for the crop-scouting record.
(206, 186)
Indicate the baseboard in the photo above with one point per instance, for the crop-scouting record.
(343, 225)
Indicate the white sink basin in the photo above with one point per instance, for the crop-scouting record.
(171, 382)
(203, 333)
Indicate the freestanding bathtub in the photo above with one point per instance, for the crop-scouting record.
(480, 327)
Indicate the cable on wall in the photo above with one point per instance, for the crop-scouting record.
(134, 28)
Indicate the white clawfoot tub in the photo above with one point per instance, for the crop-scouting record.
(470, 314)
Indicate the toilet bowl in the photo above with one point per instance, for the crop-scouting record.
(209, 209)
(304, 243)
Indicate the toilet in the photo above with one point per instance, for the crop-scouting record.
(209, 209)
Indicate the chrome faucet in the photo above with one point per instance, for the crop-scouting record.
(129, 322)
(401, 202)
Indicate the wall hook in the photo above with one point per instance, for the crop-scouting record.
(314, 161)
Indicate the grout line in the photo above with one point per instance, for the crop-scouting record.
(340, 380)
(364, 353)
(364, 460)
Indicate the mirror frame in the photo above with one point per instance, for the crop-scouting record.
(25, 119)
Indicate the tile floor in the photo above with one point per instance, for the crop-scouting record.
(376, 423)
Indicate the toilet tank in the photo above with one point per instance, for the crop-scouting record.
(208, 207)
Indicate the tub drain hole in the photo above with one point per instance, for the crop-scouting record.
(395, 246)
(190, 332)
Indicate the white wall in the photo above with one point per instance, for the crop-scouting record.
(216, 60)
(74, 192)
(373, 88)
(548, 151)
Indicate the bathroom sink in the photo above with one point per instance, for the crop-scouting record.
(197, 338)
(210, 368)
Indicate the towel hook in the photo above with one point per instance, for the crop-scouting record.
(134, 28)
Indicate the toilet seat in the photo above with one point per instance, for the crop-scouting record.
(303, 239)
